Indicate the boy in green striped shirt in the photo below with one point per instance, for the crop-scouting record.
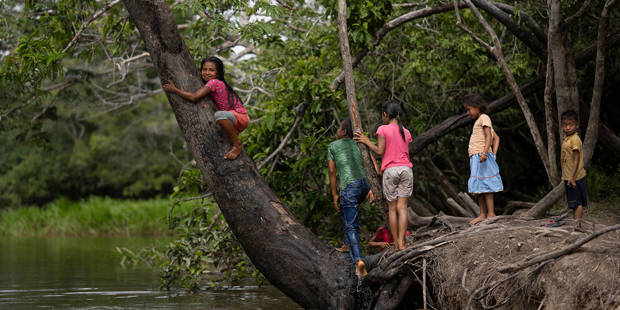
(344, 156)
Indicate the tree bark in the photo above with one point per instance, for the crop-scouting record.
(287, 253)
(551, 136)
(609, 139)
(599, 80)
(565, 73)
(371, 172)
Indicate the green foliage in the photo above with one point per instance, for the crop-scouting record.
(96, 216)
(204, 247)
(603, 184)
(73, 123)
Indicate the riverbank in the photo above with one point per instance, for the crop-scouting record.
(95, 216)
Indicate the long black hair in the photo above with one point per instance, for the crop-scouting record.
(475, 100)
(393, 111)
(347, 126)
(219, 66)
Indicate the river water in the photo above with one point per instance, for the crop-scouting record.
(85, 273)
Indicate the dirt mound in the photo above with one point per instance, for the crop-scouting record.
(466, 269)
(465, 272)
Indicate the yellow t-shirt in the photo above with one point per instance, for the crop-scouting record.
(476, 141)
(569, 144)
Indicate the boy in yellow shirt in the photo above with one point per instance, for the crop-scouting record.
(573, 172)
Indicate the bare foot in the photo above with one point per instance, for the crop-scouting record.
(477, 220)
(360, 269)
(490, 215)
(402, 246)
(343, 249)
(234, 152)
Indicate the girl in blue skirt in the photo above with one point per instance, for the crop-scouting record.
(484, 178)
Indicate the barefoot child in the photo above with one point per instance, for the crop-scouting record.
(344, 155)
(392, 142)
(573, 172)
(231, 115)
(484, 177)
(382, 238)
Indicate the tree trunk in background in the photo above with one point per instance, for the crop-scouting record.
(541, 207)
(565, 73)
(371, 173)
(549, 120)
(287, 253)
(589, 141)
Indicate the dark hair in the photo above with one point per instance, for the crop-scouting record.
(347, 126)
(475, 100)
(393, 110)
(219, 66)
(569, 115)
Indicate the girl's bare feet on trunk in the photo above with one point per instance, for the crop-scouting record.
(234, 152)
(478, 220)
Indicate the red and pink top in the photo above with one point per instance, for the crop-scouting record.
(383, 235)
(219, 93)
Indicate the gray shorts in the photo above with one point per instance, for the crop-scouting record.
(397, 182)
(220, 115)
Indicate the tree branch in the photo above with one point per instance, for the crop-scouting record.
(97, 14)
(597, 90)
(300, 109)
(532, 260)
(496, 50)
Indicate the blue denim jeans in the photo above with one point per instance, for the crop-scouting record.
(350, 199)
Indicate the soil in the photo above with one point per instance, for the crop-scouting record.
(463, 273)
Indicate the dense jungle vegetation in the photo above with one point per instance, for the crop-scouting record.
(82, 112)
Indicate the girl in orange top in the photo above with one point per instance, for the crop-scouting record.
(484, 178)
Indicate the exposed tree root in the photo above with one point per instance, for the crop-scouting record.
(491, 266)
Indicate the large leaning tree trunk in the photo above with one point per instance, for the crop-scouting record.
(288, 254)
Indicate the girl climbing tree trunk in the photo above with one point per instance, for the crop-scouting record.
(287, 253)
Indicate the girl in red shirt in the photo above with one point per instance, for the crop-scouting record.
(231, 115)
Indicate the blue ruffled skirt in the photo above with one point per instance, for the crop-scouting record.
(484, 176)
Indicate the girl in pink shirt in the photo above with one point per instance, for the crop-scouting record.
(231, 115)
(393, 143)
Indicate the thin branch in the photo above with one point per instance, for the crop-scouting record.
(580, 12)
(391, 25)
(527, 19)
(290, 25)
(88, 22)
(551, 133)
(533, 260)
(599, 80)
(285, 5)
(300, 109)
(496, 50)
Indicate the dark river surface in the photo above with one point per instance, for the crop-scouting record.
(85, 273)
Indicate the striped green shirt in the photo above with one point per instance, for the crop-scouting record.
(349, 164)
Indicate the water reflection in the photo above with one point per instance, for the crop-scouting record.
(84, 273)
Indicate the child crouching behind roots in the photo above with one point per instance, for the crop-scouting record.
(573, 172)
(344, 155)
(231, 115)
(484, 178)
